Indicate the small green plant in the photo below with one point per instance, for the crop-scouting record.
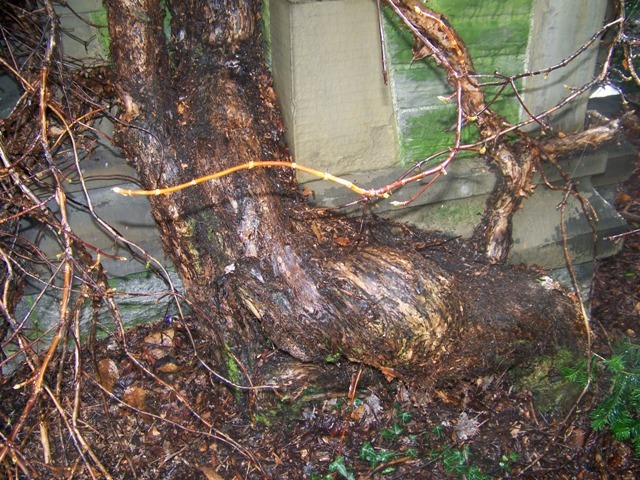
(376, 456)
(233, 370)
(507, 460)
(457, 462)
(339, 466)
(620, 409)
(404, 417)
(333, 357)
(391, 433)
(578, 372)
(437, 431)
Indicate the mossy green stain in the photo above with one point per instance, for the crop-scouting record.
(455, 213)
(543, 378)
(234, 374)
(99, 19)
(333, 357)
(496, 34)
(423, 133)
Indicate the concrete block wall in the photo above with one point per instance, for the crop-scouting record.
(495, 32)
(536, 227)
(140, 295)
(342, 118)
(509, 37)
(558, 30)
(80, 37)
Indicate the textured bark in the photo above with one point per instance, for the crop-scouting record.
(255, 261)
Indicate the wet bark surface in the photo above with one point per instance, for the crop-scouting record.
(256, 261)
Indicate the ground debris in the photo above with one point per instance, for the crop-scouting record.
(150, 409)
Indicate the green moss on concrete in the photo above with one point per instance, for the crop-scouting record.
(99, 19)
(457, 217)
(425, 133)
(266, 30)
(398, 40)
(496, 34)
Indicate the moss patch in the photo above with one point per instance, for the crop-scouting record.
(99, 19)
(551, 392)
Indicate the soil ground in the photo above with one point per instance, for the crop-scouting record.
(154, 410)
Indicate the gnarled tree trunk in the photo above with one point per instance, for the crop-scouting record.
(262, 266)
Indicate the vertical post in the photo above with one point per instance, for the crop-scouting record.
(558, 30)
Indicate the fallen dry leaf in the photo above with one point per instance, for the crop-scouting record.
(154, 354)
(210, 473)
(163, 338)
(466, 427)
(342, 241)
(389, 373)
(576, 438)
(136, 397)
(108, 374)
(166, 364)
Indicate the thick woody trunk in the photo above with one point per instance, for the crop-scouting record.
(255, 262)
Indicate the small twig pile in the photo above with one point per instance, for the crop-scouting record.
(44, 139)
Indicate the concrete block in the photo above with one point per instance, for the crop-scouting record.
(130, 216)
(537, 237)
(577, 167)
(104, 168)
(466, 177)
(453, 204)
(80, 38)
(621, 160)
(327, 70)
(559, 29)
(140, 298)
(456, 217)
(9, 95)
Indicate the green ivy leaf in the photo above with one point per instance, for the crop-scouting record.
(405, 417)
(392, 433)
(340, 467)
(373, 456)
